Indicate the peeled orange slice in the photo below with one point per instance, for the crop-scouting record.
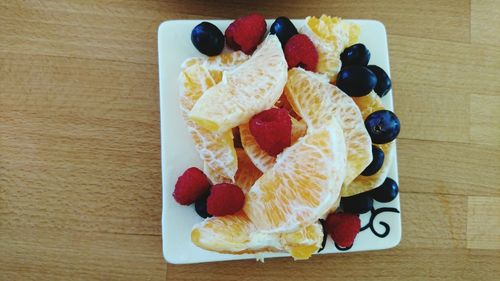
(368, 104)
(318, 102)
(283, 103)
(303, 243)
(260, 158)
(330, 36)
(247, 174)
(230, 235)
(248, 89)
(216, 149)
(302, 185)
(299, 129)
(236, 234)
(217, 64)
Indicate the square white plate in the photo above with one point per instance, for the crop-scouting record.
(382, 226)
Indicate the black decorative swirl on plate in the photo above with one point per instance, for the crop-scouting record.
(325, 235)
(374, 213)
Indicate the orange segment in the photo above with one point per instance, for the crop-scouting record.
(215, 149)
(214, 176)
(226, 62)
(229, 234)
(302, 244)
(299, 129)
(248, 89)
(368, 104)
(247, 174)
(318, 102)
(283, 103)
(302, 185)
(330, 36)
(194, 79)
(261, 159)
(217, 64)
(236, 234)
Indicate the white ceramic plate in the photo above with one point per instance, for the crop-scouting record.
(178, 152)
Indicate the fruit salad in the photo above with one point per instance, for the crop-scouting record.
(294, 138)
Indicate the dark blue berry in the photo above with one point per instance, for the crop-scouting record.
(384, 83)
(201, 206)
(377, 161)
(356, 81)
(357, 204)
(386, 192)
(208, 39)
(356, 54)
(382, 126)
(284, 29)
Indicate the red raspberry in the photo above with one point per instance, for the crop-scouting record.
(343, 228)
(246, 33)
(300, 51)
(190, 185)
(225, 199)
(272, 129)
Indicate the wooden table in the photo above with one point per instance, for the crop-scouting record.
(80, 178)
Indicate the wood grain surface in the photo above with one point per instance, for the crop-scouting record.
(80, 177)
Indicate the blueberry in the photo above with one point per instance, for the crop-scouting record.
(356, 54)
(284, 29)
(386, 192)
(376, 164)
(382, 126)
(201, 206)
(357, 204)
(384, 83)
(207, 38)
(356, 81)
